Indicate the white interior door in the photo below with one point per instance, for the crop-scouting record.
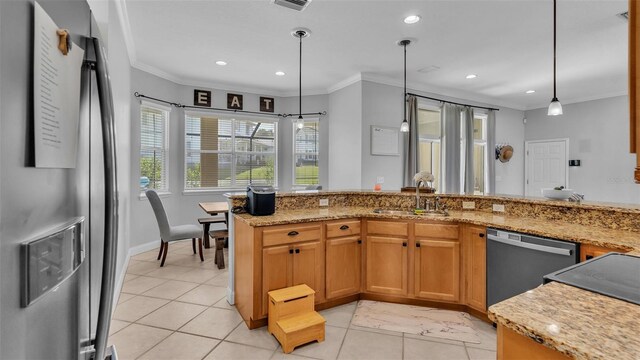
(546, 165)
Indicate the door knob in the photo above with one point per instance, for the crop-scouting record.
(290, 251)
(417, 244)
(404, 244)
(359, 241)
(297, 251)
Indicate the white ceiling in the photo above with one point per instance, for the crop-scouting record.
(508, 44)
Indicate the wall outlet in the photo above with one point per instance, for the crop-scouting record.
(380, 180)
(498, 207)
(469, 205)
(324, 202)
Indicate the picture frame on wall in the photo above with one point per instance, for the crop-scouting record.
(385, 141)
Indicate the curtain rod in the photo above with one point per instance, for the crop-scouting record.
(178, 105)
(451, 102)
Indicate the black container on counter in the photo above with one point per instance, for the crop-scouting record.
(261, 200)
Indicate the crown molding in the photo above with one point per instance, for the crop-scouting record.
(344, 83)
(457, 95)
(125, 26)
(581, 100)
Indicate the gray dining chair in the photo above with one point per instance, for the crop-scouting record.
(170, 233)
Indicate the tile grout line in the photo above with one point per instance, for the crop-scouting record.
(348, 329)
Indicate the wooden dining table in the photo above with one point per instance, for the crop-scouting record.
(213, 209)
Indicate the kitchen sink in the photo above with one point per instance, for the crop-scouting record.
(405, 212)
(393, 212)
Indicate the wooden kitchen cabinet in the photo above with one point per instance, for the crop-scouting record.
(588, 252)
(474, 244)
(343, 266)
(387, 265)
(437, 269)
(289, 265)
(634, 84)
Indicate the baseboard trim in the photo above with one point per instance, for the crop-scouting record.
(139, 249)
(120, 278)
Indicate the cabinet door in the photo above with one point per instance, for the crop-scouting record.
(276, 271)
(437, 269)
(475, 260)
(308, 267)
(343, 261)
(588, 252)
(387, 265)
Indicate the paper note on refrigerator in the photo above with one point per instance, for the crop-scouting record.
(56, 95)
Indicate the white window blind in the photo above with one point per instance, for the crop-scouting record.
(154, 124)
(227, 153)
(306, 146)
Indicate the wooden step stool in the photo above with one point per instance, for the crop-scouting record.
(292, 318)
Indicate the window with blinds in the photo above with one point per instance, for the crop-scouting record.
(305, 153)
(227, 153)
(154, 129)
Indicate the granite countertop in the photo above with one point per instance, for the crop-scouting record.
(626, 240)
(578, 323)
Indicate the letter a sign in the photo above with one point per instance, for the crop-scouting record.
(234, 101)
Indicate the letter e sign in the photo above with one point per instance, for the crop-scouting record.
(266, 104)
(202, 98)
(234, 101)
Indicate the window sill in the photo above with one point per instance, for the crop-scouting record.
(216, 191)
(162, 194)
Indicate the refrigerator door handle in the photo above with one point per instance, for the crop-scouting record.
(111, 201)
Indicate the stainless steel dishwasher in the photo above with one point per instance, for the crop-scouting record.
(517, 262)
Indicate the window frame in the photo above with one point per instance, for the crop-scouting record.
(294, 153)
(167, 111)
(440, 176)
(483, 142)
(234, 119)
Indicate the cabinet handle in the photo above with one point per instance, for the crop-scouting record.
(290, 251)
(293, 233)
(417, 244)
(359, 241)
(344, 227)
(404, 244)
(481, 234)
(588, 257)
(297, 251)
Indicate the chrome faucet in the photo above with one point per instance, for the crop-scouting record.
(437, 203)
(418, 193)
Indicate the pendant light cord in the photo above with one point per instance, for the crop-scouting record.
(404, 101)
(554, 49)
(300, 34)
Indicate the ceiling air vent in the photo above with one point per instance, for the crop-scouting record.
(292, 4)
(624, 15)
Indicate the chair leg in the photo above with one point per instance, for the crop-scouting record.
(200, 248)
(193, 244)
(161, 248)
(164, 255)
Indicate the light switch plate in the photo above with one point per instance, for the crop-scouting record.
(380, 180)
(469, 205)
(324, 202)
(498, 207)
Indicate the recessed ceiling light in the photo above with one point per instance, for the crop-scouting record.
(221, 63)
(472, 76)
(412, 19)
(529, 91)
(280, 73)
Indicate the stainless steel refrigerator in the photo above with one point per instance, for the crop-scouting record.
(70, 319)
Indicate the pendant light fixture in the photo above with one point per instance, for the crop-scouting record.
(405, 124)
(555, 108)
(300, 34)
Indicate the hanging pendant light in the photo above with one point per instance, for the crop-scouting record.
(555, 108)
(300, 34)
(404, 127)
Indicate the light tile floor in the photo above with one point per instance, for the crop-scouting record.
(180, 312)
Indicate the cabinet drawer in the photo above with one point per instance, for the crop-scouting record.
(290, 234)
(343, 228)
(395, 228)
(437, 231)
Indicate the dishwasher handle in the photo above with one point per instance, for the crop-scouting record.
(536, 247)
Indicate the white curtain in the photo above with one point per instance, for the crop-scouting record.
(450, 125)
(411, 151)
(468, 181)
(491, 151)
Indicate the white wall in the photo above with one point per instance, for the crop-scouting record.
(598, 133)
(345, 138)
(510, 130)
